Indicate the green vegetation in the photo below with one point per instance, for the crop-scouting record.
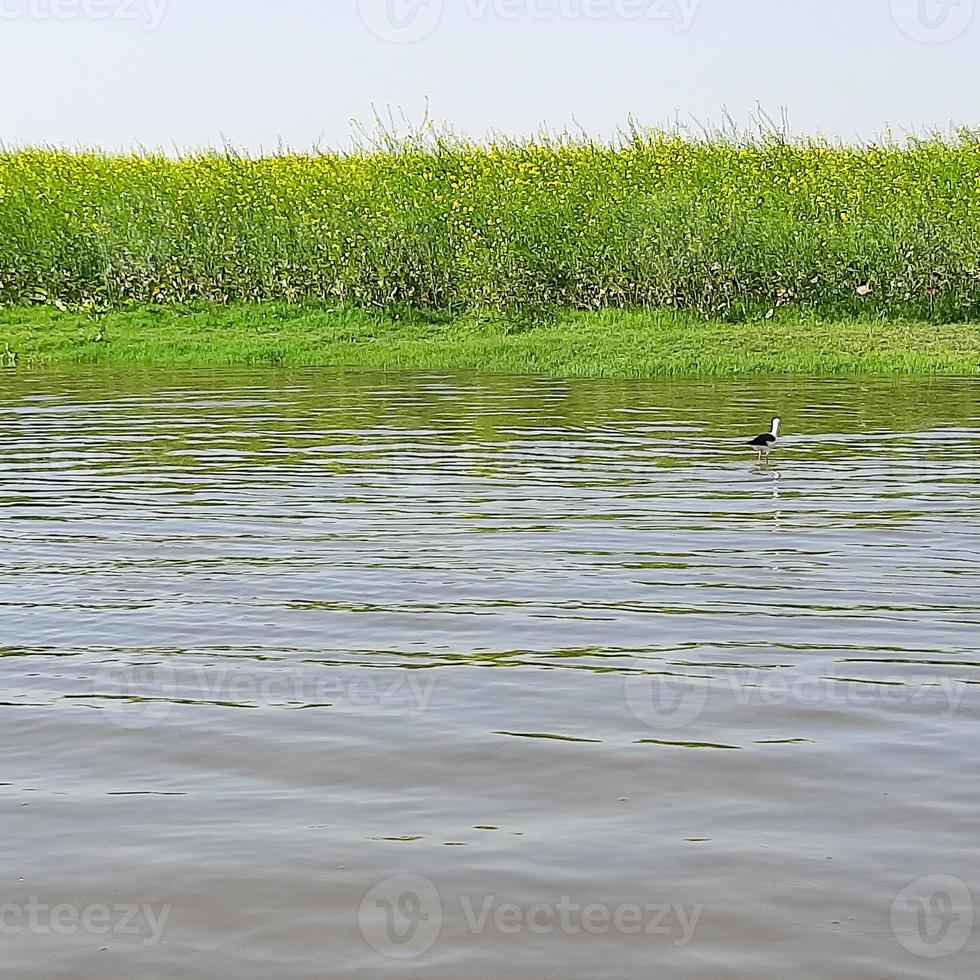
(657, 256)
(610, 343)
(727, 228)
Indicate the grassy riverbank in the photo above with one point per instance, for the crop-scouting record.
(608, 343)
(655, 256)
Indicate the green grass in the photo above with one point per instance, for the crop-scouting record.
(728, 228)
(655, 256)
(608, 343)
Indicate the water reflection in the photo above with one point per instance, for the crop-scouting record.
(270, 640)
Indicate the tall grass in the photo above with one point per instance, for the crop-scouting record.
(728, 228)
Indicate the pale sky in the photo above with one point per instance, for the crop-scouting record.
(190, 73)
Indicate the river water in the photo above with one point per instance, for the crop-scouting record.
(309, 675)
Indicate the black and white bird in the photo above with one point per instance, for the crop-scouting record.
(767, 441)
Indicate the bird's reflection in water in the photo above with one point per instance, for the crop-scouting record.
(773, 477)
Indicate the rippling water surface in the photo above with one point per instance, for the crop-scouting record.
(454, 677)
